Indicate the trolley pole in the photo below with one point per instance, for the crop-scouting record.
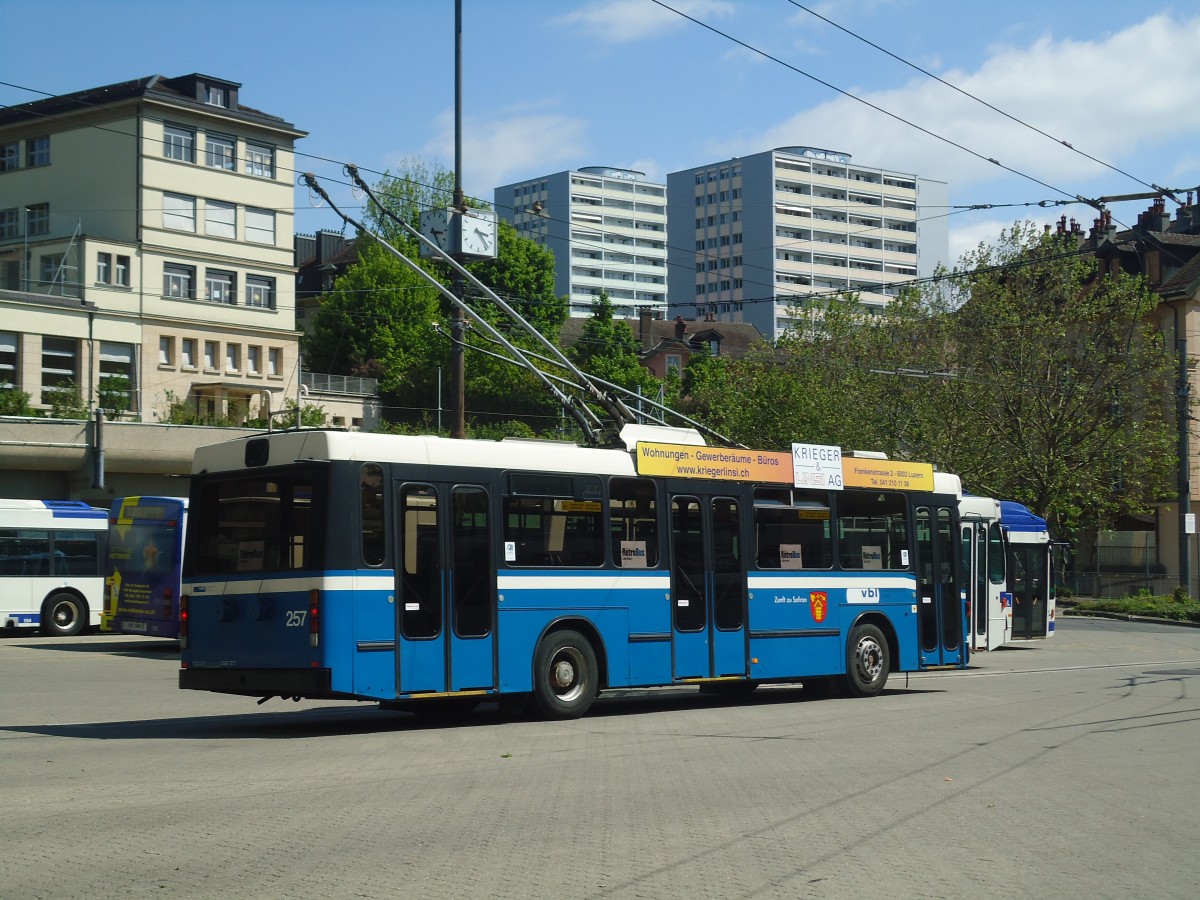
(458, 322)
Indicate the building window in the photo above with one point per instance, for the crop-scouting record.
(220, 219)
(260, 292)
(260, 160)
(187, 353)
(116, 376)
(178, 281)
(8, 359)
(213, 95)
(274, 361)
(179, 212)
(50, 269)
(10, 157)
(179, 143)
(166, 351)
(37, 151)
(104, 268)
(210, 355)
(260, 225)
(60, 358)
(37, 219)
(219, 152)
(219, 287)
(10, 224)
(232, 358)
(253, 360)
(122, 277)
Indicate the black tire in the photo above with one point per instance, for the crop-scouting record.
(868, 660)
(64, 615)
(566, 678)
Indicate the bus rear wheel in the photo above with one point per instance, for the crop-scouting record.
(867, 661)
(565, 675)
(64, 615)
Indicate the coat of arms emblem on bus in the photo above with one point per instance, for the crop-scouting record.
(818, 602)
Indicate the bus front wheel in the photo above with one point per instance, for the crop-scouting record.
(64, 615)
(867, 661)
(565, 675)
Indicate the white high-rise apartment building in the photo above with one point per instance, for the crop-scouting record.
(750, 238)
(607, 229)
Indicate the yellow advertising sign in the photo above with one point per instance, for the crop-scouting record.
(887, 473)
(713, 463)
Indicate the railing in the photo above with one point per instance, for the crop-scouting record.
(339, 384)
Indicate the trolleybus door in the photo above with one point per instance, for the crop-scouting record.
(983, 573)
(445, 589)
(1030, 584)
(940, 604)
(708, 587)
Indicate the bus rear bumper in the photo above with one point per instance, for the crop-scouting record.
(258, 682)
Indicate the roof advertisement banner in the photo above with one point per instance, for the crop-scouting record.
(713, 463)
(887, 473)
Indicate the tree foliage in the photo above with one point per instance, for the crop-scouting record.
(1027, 372)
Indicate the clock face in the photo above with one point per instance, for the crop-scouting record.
(478, 233)
(435, 225)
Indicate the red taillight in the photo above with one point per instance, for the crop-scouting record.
(314, 611)
(183, 620)
(168, 595)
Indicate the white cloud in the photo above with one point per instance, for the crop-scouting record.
(622, 21)
(502, 150)
(1115, 98)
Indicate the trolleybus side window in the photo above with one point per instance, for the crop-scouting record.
(77, 553)
(555, 530)
(791, 529)
(996, 554)
(420, 581)
(872, 530)
(24, 553)
(687, 540)
(633, 509)
(371, 511)
(472, 563)
(728, 581)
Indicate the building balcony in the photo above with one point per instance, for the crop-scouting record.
(320, 383)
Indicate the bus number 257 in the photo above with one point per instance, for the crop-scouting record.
(295, 617)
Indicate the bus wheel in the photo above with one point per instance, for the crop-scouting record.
(565, 675)
(63, 615)
(867, 661)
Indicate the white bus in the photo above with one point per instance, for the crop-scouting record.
(51, 565)
(984, 571)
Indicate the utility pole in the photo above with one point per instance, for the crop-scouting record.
(458, 323)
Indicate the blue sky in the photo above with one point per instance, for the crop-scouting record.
(550, 85)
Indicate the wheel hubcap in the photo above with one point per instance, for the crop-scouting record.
(869, 659)
(565, 675)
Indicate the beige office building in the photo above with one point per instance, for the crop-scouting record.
(146, 250)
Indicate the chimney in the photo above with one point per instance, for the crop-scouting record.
(680, 328)
(644, 325)
(1160, 219)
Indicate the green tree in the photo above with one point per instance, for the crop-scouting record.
(378, 322)
(383, 320)
(608, 349)
(14, 402)
(1067, 383)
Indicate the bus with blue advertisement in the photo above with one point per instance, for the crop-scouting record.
(144, 566)
(410, 569)
(51, 565)
(1030, 572)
